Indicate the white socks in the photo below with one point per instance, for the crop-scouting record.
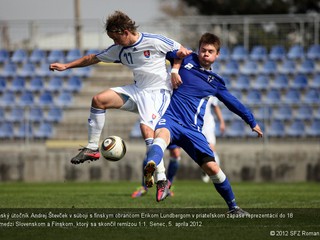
(95, 126)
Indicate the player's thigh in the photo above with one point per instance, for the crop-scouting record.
(107, 99)
(196, 146)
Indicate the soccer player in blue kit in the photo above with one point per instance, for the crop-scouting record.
(182, 122)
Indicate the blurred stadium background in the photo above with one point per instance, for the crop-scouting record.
(270, 62)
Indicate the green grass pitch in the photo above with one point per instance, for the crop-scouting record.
(290, 210)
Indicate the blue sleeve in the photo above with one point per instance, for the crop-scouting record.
(234, 105)
(170, 56)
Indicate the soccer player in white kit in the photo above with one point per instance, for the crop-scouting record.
(149, 95)
(209, 127)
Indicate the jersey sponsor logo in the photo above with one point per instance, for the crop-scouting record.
(135, 49)
(146, 54)
(188, 66)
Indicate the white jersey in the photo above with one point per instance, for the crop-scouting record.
(146, 58)
(209, 125)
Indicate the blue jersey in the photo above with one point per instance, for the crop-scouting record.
(188, 102)
(184, 116)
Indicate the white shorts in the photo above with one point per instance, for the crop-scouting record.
(208, 128)
(150, 104)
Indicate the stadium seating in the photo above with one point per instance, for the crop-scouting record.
(300, 82)
(316, 113)
(9, 70)
(258, 53)
(224, 54)
(273, 96)
(16, 115)
(264, 112)
(269, 67)
(236, 129)
(18, 84)
(64, 99)
(242, 82)
(292, 96)
(227, 114)
(239, 53)
(250, 68)
(6, 130)
(36, 84)
(73, 84)
(283, 113)
(44, 131)
(280, 82)
(277, 52)
(296, 129)
(95, 51)
(81, 72)
(35, 114)
(254, 97)
(43, 70)
(73, 54)
(315, 82)
(314, 129)
(8, 98)
(46, 99)
(313, 52)
(26, 99)
(296, 52)
(27, 70)
(304, 112)
(4, 56)
(288, 67)
(19, 56)
(261, 82)
(3, 84)
(2, 115)
(276, 129)
(311, 96)
(307, 67)
(25, 130)
(37, 56)
(54, 114)
(56, 55)
(231, 68)
(55, 84)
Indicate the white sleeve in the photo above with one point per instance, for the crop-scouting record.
(110, 54)
(214, 101)
(164, 44)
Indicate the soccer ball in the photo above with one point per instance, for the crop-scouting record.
(113, 148)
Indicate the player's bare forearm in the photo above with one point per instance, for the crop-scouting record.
(81, 62)
(175, 77)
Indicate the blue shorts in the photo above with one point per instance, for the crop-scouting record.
(172, 146)
(192, 141)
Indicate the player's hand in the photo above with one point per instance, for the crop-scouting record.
(258, 130)
(175, 80)
(183, 52)
(57, 66)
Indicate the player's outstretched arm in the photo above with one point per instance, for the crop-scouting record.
(81, 62)
(258, 130)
